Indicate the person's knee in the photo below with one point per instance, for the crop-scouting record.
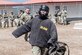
(36, 50)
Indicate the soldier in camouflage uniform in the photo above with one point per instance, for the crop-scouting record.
(25, 16)
(12, 17)
(57, 15)
(6, 18)
(21, 12)
(63, 16)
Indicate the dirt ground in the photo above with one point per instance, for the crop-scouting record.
(9, 45)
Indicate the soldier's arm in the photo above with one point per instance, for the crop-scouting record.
(22, 29)
(53, 34)
(22, 16)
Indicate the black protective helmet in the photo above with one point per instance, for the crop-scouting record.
(44, 8)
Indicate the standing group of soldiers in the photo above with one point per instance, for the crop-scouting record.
(60, 17)
(11, 19)
(7, 19)
(14, 20)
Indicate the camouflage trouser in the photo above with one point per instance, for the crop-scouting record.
(12, 23)
(59, 19)
(39, 51)
(6, 23)
(26, 37)
(20, 23)
(63, 20)
(56, 19)
(0, 24)
(2, 21)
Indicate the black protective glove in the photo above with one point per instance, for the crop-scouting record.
(51, 42)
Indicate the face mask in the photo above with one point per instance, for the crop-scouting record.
(43, 15)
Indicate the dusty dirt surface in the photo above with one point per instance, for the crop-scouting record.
(9, 45)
